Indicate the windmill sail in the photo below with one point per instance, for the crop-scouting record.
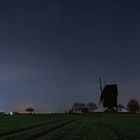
(100, 82)
(101, 89)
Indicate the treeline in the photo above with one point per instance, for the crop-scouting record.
(83, 108)
(132, 106)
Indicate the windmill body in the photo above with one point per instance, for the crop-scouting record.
(108, 97)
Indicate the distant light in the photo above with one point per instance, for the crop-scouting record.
(9, 113)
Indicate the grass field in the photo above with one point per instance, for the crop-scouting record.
(69, 127)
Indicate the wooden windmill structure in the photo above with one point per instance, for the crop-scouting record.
(108, 97)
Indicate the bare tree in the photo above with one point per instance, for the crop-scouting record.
(83, 108)
(30, 110)
(92, 107)
(133, 105)
(78, 107)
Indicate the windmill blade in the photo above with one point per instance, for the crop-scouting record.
(100, 83)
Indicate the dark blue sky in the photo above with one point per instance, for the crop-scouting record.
(53, 51)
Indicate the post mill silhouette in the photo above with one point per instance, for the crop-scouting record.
(108, 97)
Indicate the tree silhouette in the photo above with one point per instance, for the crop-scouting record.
(92, 107)
(76, 107)
(29, 109)
(133, 105)
(84, 110)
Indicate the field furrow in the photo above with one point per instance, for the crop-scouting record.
(70, 127)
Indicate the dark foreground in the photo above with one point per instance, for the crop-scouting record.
(70, 127)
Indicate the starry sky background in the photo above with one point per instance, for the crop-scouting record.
(53, 51)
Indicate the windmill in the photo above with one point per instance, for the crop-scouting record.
(108, 97)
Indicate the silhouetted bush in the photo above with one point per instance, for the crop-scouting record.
(133, 105)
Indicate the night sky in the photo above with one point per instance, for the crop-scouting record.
(53, 51)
